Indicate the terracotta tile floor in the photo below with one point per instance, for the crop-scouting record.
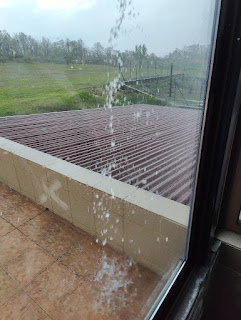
(50, 269)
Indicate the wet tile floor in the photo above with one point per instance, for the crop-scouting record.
(50, 269)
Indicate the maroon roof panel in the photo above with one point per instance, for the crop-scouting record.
(151, 147)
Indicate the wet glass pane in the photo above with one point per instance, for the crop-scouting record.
(101, 108)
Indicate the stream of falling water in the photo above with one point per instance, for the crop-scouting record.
(112, 273)
(124, 8)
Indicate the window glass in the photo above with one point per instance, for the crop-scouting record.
(101, 108)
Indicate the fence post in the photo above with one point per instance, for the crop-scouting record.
(170, 89)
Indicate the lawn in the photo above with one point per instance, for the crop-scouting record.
(27, 88)
(43, 87)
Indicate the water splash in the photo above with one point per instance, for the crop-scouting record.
(115, 283)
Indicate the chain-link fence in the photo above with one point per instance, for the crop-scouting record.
(177, 84)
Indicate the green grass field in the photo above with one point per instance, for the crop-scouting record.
(43, 87)
(27, 88)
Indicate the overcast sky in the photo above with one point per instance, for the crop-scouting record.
(162, 25)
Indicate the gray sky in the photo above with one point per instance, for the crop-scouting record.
(162, 25)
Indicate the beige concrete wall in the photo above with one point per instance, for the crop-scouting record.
(147, 227)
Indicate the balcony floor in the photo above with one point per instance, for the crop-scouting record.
(50, 269)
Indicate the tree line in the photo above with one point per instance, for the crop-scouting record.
(24, 48)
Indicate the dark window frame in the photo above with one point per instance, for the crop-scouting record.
(231, 206)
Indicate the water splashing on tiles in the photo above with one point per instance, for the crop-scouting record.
(113, 276)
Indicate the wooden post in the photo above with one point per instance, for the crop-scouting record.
(170, 89)
(130, 69)
(175, 93)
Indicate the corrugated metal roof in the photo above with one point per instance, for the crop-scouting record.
(151, 147)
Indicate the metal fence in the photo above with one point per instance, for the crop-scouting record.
(177, 84)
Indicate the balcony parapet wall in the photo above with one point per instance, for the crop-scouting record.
(150, 228)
